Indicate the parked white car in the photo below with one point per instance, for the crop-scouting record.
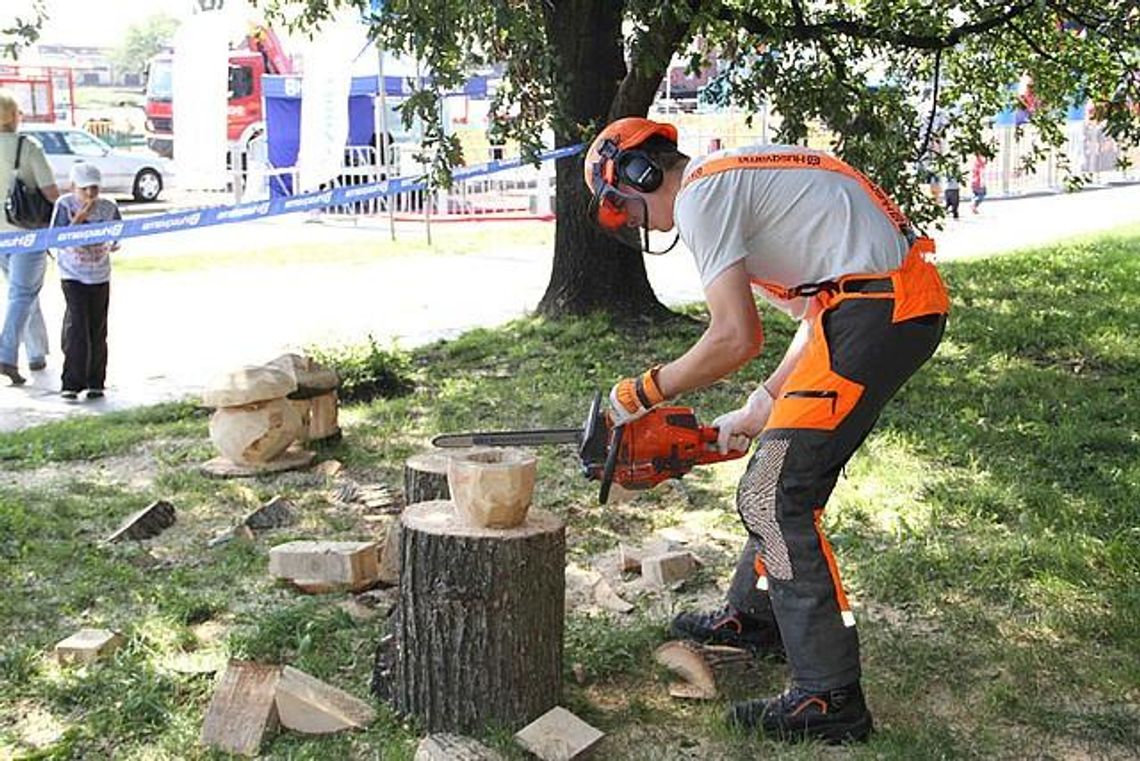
(139, 175)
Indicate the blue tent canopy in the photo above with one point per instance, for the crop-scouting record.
(283, 115)
(283, 121)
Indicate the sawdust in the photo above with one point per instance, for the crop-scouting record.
(135, 470)
(34, 727)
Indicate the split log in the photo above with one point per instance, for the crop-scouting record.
(243, 711)
(425, 477)
(479, 628)
(701, 667)
(152, 520)
(306, 704)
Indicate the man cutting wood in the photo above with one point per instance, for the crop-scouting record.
(829, 248)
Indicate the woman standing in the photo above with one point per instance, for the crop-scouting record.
(24, 270)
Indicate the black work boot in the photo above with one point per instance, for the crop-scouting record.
(834, 716)
(728, 626)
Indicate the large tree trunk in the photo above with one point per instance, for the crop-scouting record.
(591, 271)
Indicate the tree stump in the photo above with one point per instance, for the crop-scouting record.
(425, 477)
(479, 629)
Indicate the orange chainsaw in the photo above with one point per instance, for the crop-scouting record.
(667, 442)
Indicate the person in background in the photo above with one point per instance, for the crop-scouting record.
(952, 195)
(85, 274)
(24, 270)
(978, 182)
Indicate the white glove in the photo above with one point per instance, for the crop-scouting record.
(736, 429)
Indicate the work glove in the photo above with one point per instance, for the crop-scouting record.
(736, 429)
(630, 398)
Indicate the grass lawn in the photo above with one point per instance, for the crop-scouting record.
(447, 239)
(989, 533)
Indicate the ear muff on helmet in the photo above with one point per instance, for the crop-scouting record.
(637, 170)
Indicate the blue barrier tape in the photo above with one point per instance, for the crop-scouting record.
(99, 232)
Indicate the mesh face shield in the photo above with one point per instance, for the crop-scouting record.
(620, 215)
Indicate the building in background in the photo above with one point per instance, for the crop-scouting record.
(91, 65)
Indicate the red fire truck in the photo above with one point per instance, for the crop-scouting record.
(46, 93)
(261, 53)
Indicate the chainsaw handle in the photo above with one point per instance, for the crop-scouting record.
(611, 463)
(709, 435)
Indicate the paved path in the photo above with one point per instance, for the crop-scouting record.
(171, 332)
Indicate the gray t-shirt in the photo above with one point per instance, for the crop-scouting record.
(90, 264)
(791, 227)
(34, 169)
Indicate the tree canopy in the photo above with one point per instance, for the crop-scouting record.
(868, 73)
(23, 29)
(143, 40)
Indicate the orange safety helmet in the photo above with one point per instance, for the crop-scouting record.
(613, 160)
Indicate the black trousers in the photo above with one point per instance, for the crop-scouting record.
(793, 471)
(952, 201)
(85, 335)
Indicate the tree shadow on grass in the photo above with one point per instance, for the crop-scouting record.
(1024, 549)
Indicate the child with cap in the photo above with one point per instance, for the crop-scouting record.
(85, 274)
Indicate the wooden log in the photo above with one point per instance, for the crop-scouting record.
(306, 704)
(152, 520)
(701, 667)
(479, 627)
(425, 477)
(243, 711)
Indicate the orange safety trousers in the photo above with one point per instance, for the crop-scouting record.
(869, 334)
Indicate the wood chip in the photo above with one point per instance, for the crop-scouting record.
(702, 667)
(87, 645)
(276, 513)
(151, 521)
(328, 468)
(559, 735)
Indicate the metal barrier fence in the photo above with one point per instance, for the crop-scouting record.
(524, 192)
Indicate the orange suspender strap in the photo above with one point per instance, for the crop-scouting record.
(796, 160)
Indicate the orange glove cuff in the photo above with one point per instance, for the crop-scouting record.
(639, 394)
(648, 392)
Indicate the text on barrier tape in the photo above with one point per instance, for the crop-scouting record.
(98, 232)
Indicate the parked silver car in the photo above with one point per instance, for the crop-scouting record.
(140, 175)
